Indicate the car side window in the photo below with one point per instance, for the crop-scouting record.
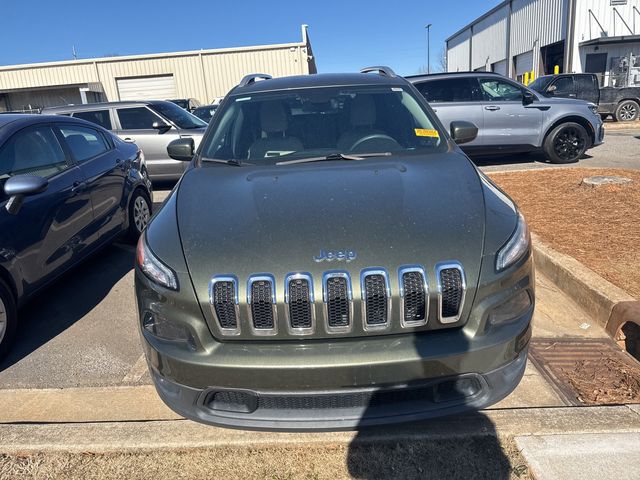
(449, 90)
(496, 90)
(564, 86)
(99, 117)
(136, 118)
(33, 150)
(84, 143)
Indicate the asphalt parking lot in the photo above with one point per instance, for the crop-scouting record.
(620, 150)
(81, 332)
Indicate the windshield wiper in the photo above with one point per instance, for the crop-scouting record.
(235, 163)
(335, 156)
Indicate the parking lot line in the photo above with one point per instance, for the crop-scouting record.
(137, 371)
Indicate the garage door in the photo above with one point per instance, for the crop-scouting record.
(147, 88)
(500, 67)
(524, 63)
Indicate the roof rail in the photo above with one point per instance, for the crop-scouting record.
(382, 70)
(248, 79)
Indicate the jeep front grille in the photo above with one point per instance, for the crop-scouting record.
(451, 291)
(414, 296)
(223, 298)
(375, 298)
(262, 299)
(337, 298)
(299, 303)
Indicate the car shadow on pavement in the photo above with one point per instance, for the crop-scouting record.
(68, 300)
(523, 160)
(428, 450)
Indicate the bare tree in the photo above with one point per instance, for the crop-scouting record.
(441, 61)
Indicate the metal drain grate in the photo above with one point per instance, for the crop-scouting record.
(587, 371)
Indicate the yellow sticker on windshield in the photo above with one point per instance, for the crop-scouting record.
(424, 132)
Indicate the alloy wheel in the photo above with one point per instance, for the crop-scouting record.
(569, 144)
(628, 112)
(141, 213)
(3, 320)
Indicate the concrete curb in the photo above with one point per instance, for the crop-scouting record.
(594, 294)
(183, 434)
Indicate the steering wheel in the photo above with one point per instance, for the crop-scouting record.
(394, 145)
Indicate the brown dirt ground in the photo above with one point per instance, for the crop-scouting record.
(470, 458)
(600, 226)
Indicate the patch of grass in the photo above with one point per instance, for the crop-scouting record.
(470, 458)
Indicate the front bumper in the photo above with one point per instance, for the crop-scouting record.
(343, 385)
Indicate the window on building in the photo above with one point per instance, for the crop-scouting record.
(450, 90)
(34, 150)
(137, 118)
(99, 117)
(84, 143)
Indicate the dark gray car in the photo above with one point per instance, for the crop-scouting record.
(331, 260)
(512, 118)
(152, 125)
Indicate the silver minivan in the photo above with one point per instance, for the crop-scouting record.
(151, 124)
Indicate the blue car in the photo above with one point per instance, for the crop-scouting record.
(67, 188)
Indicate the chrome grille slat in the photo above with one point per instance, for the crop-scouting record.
(376, 299)
(299, 301)
(414, 296)
(451, 291)
(338, 304)
(261, 300)
(223, 299)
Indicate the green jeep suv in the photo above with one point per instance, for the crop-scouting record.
(330, 259)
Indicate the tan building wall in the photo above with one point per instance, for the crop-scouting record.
(202, 74)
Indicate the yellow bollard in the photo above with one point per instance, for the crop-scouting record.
(525, 79)
(532, 77)
(556, 70)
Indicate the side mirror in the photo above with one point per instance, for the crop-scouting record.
(463, 132)
(161, 126)
(182, 149)
(20, 186)
(528, 98)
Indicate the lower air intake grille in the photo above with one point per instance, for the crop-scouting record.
(452, 291)
(376, 301)
(224, 303)
(338, 302)
(414, 296)
(262, 304)
(299, 303)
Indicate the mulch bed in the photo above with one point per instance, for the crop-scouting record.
(600, 226)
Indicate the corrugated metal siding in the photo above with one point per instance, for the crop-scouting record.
(536, 23)
(524, 63)
(490, 39)
(161, 87)
(500, 67)
(587, 28)
(458, 52)
(203, 75)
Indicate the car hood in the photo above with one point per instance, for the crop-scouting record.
(397, 211)
(563, 101)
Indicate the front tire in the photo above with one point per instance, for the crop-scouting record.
(627, 111)
(566, 143)
(139, 214)
(8, 319)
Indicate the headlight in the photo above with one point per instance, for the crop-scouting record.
(153, 268)
(517, 245)
(594, 109)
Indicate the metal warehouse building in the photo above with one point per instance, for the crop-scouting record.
(201, 74)
(530, 38)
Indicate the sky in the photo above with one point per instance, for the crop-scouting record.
(345, 35)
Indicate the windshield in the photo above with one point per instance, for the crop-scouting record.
(540, 84)
(205, 113)
(177, 115)
(265, 127)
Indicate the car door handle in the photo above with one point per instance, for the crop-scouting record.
(78, 187)
(129, 140)
(492, 107)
